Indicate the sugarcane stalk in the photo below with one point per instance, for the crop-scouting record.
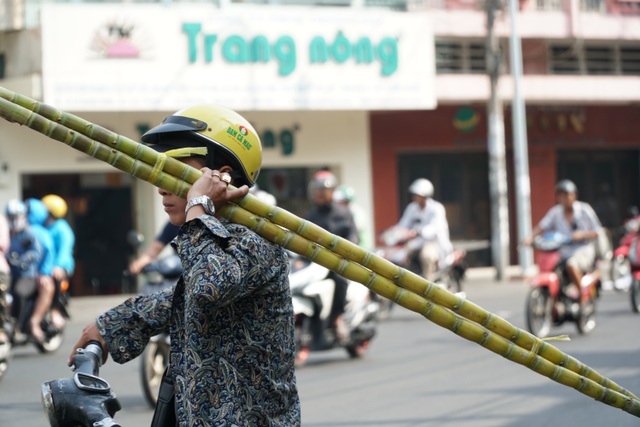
(53, 123)
(439, 315)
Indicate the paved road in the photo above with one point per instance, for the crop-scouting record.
(415, 374)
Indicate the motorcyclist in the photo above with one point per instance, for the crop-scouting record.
(25, 250)
(63, 241)
(346, 195)
(337, 220)
(37, 216)
(168, 233)
(426, 218)
(578, 221)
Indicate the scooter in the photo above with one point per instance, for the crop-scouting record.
(396, 247)
(552, 298)
(21, 302)
(312, 290)
(84, 399)
(626, 261)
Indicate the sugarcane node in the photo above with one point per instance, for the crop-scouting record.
(456, 306)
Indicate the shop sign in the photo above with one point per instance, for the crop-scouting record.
(101, 57)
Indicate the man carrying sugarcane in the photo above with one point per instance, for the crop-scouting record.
(230, 315)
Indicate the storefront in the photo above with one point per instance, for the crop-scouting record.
(305, 78)
(596, 146)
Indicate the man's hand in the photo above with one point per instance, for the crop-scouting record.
(90, 333)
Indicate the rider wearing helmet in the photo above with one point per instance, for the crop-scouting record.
(337, 220)
(230, 315)
(345, 195)
(578, 221)
(63, 241)
(427, 220)
(37, 217)
(26, 251)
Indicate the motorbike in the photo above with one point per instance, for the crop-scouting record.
(84, 399)
(626, 261)
(397, 247)
(20, 304)
(312, 290)
(552, 298)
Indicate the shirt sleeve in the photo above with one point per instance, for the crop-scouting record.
(547, 223)
(221, 265)
(408, 218)
(128, 327)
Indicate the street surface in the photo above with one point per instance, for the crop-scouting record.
(415, 373)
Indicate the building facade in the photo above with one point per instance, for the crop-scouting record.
(318, 101)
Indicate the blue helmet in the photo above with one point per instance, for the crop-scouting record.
(38, 212)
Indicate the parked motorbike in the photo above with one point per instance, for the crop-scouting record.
(312, 290)
(396, 247)
(553, 299)
(84, 399)
(626, 261)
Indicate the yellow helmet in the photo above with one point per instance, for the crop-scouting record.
(55, 205)
(228, 137)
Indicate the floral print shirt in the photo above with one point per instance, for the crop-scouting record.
(230, 318)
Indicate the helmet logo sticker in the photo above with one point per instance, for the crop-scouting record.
(240, 136)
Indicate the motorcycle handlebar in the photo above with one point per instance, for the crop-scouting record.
(88, 359)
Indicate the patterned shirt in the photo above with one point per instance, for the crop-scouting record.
(230, 319)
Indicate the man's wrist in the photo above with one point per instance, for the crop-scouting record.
(204, 201)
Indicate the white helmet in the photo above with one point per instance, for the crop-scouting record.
(421, 187)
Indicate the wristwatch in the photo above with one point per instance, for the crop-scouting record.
(206, 203)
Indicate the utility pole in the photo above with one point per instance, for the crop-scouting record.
(520, 145)
(497, 162)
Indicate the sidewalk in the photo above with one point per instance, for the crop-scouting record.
(513, 273)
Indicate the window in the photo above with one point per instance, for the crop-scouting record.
(594, 58)
(630, 60)
(460, 56)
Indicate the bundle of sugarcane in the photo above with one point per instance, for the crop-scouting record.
(275, 224)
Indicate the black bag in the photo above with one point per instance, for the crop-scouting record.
(165, 412)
